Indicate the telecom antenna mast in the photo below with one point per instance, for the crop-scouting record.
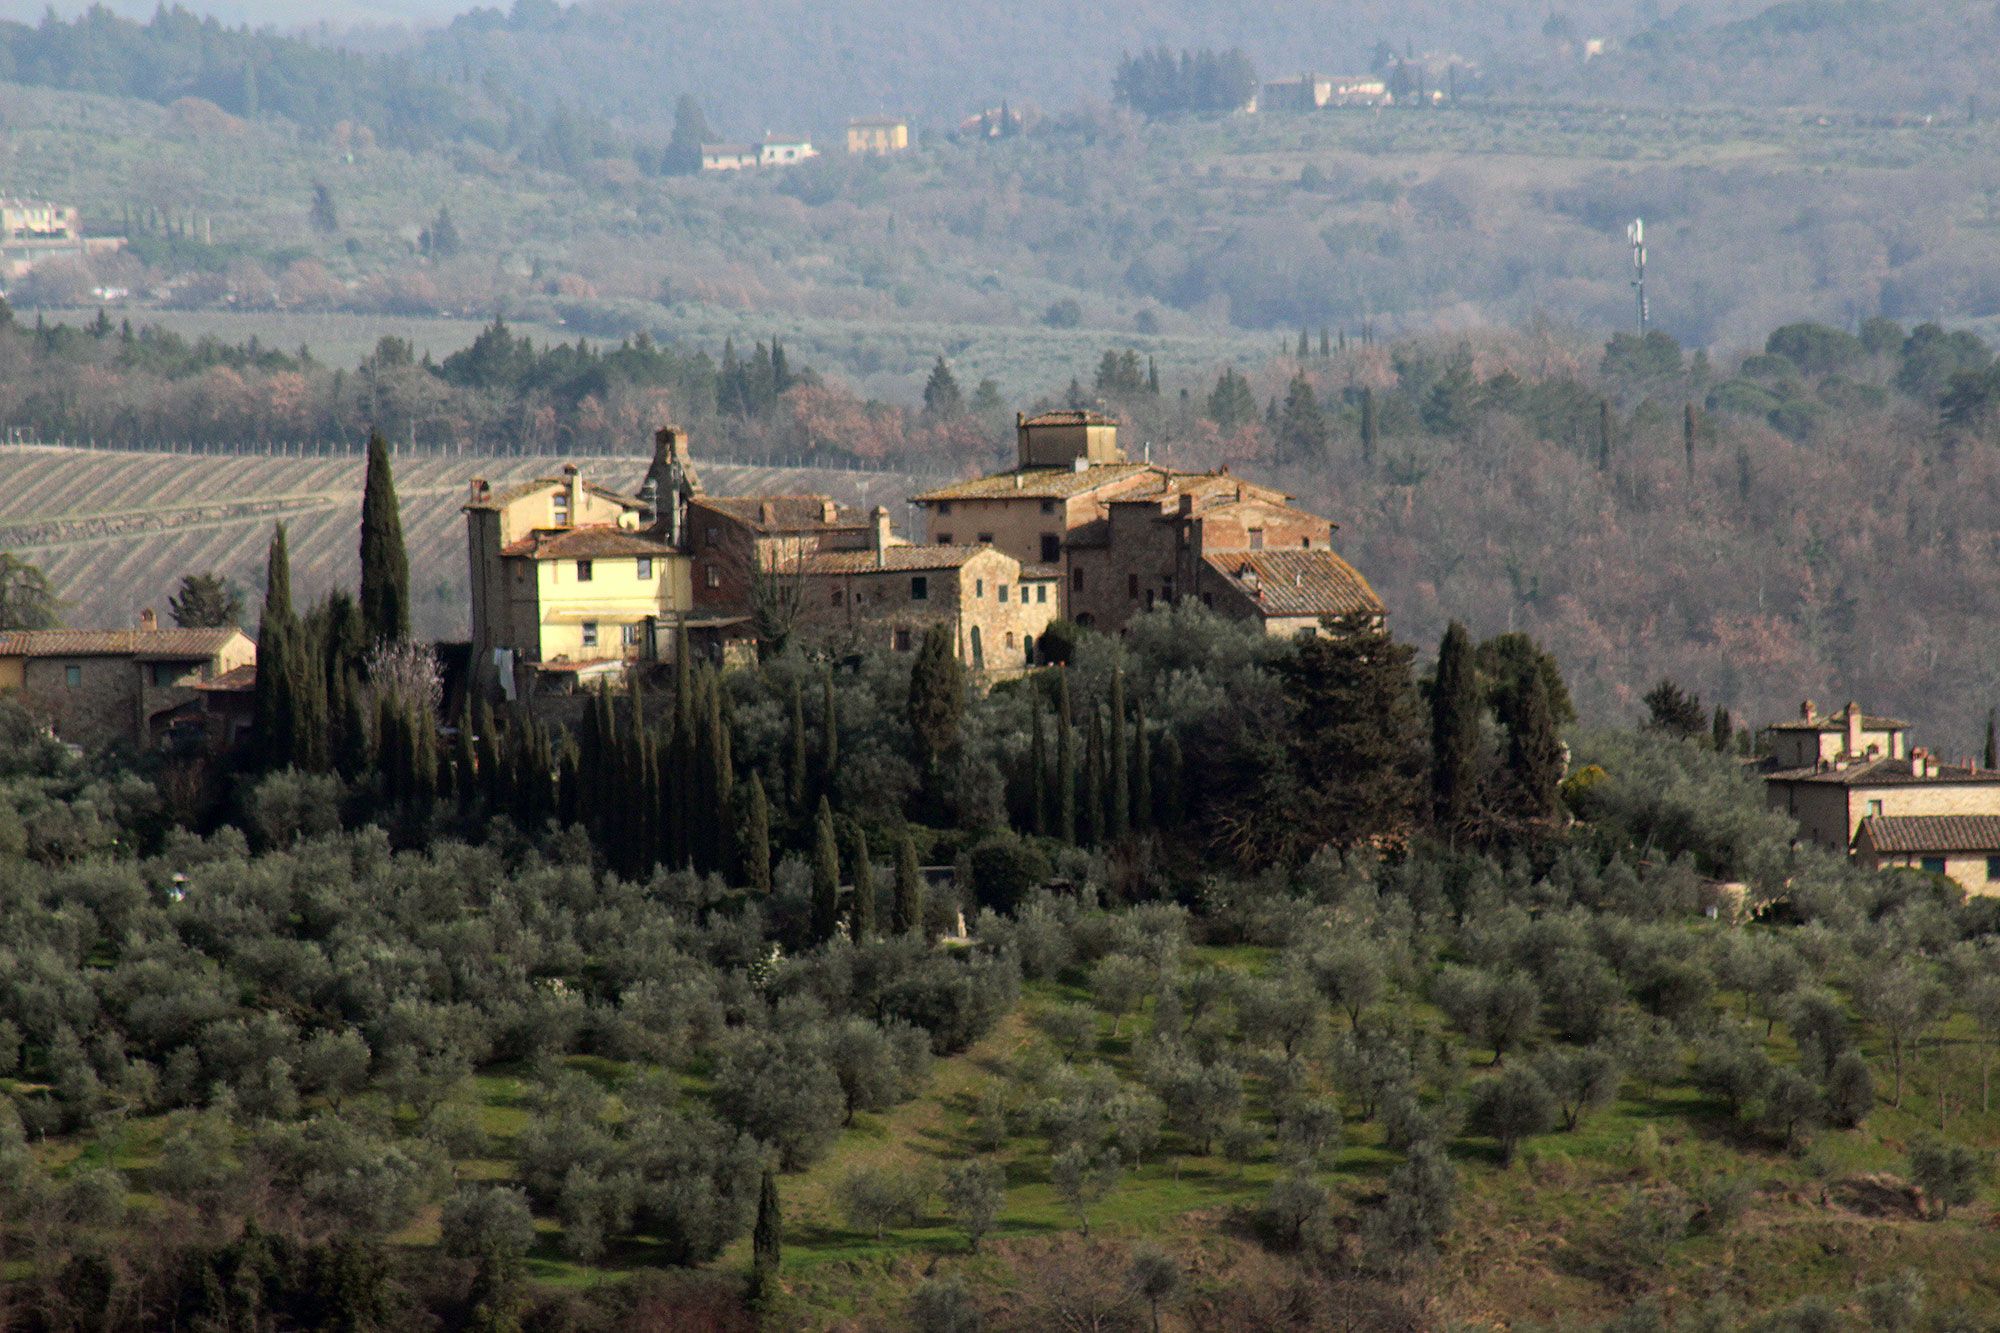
(1636, 233)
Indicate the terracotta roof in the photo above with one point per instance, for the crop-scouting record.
(1070, 417)
(1933, 833)
(599, 541)
(1833, 722)
(1298, 582)
(1039, 483)
(518, 490)
(162, 644)
(1041, 572)
(782, 513)
(894, 559)
(1886, 773)
(236, 680)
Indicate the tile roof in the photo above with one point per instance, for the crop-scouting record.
(1933, 833)
(501, 498)
(895, 558)
(163, 644)
(236, 680)
(598, 541)
(1040, 483)
(782, 513)
(1833, 722)
(1886, 773)
(1298, 582)
(1069, 417)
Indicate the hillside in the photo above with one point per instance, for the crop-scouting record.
(116, 531)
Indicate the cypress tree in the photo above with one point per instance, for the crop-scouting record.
(1687, 436)
(909, 910)
(356, 757)
(389, 753)
(1038, 772)
(1991, 759)
(1722, 729)
(486, 748)
(766, 1241)
(757, 840)
(861, 925)
(276, 630)
(1173, 808)
(1604, 435)
(1065, 761)
(825, 875)
(798, 778)
(721, 781)
(385, 565)
(1535, 752)
(1368, 427)
(1093, 777)
(1454, 731)
(1142, 771)
(1118, 765)
(829, 735)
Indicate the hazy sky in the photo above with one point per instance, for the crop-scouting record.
(281, 13)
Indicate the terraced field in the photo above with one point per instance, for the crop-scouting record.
(116, 531)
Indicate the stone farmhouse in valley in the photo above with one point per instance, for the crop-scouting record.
(1126, 537)
(124, 686)
(1856, 786)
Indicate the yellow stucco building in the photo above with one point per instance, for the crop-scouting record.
(879, 135)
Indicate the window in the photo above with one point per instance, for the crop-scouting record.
(645, 566)
(164, 674)
(1076, 580)
(72, 675)
(1048, 506)
(902, 640)
(583, 571)
(711, 534)
(979, 587)
(714, 577)
(1306, 542)
(944, 507)
(1010, 638)
(1256, 539)
(944, 539)
(978, 651)
(1993, 867)
(1132, 586)
(920, 588)
(985, 539)
(629, 635)
(1051, 548)
(1028, 648)
(835, 595)
(1041, 594)
(1874, 807)
(562, 509)
(1933, 865)
(1149, 599)
(1003, 592)
(590, 633)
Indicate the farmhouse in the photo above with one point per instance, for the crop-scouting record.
(118, 686)
(878, 135)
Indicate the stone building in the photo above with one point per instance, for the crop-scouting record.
(118, 686)
(1855, 787)
(1127, 536)
(732, 538)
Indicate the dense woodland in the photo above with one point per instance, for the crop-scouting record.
(386, 1021)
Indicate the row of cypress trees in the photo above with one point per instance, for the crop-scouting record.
(1121, 784)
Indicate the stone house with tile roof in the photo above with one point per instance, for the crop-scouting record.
(1128, 536)
(1856, 787)
(889, 595)
(96, 688)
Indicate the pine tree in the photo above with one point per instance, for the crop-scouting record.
(1065, 762)
(909, 911)
(1722, 730)
(825, 875)
(277, 672)
(861, 924)
(798, 779)
(943, 400)
(766, 1240)
(1455, 740)
(1038, 772)
(1302, 430)
(1368, 427)
(1535, 751)
(1118, 765)
(829, 736)
(385, 564)
(757, 840)
(1142, 771)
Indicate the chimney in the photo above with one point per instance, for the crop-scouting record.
(573, 477)
(1019, 479)
(1853, 728)
(480, 490)
(1187, 504)
(880, 534)
(666, 446)
(764, 513)
(1807, 712)
(147, 620)
(829, 512)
